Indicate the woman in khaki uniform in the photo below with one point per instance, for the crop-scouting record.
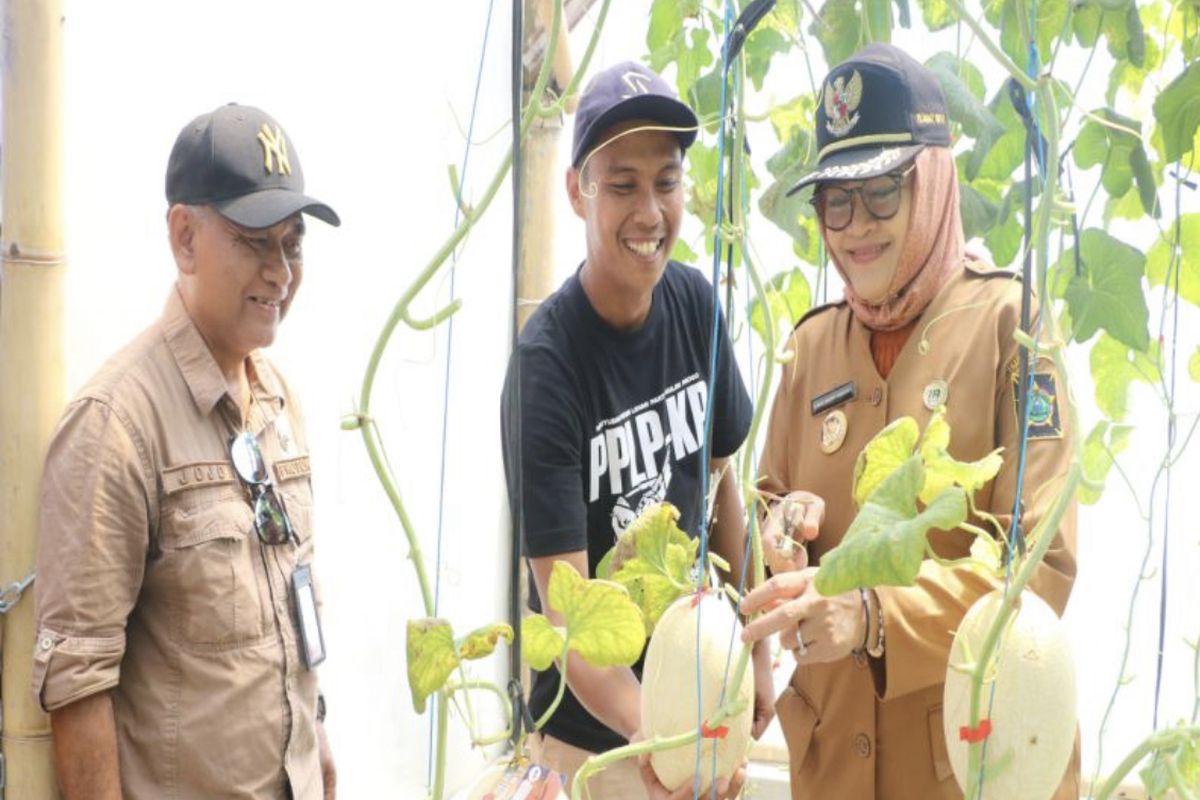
(923, 324)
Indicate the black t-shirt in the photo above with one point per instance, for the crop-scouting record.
(611, 422)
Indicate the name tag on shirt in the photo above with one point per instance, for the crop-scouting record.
(312, 641)
(833, 398)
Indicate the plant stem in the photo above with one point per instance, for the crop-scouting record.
(1159, 740)
(439, 767)
(1018, 74)
(562, 685)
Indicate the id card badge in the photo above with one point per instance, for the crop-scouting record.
(312, 642)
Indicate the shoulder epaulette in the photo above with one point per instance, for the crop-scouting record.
(812, 312)
(982, 269)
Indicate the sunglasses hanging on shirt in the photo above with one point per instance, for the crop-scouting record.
(270, 517)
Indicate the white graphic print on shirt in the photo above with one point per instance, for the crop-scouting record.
(624, 455)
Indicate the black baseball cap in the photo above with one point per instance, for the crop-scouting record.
(623, 92)
(238, 160)
(877, 110)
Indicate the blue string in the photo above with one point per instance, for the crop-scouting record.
(1015, 527)
(712, 371)
(462, 180)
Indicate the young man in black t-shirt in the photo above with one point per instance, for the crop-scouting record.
(614, 386)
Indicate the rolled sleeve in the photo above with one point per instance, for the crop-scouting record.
(91, 553)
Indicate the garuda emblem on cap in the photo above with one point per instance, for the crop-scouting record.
(841, 104)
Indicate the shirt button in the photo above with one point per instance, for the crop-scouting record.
(47, 643)
(876, 396)
(862, 745)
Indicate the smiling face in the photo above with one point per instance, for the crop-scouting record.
(868, 249)
(237, 283)
(632, 218)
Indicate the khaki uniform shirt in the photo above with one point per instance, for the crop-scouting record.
(153, 584)
(858, 728)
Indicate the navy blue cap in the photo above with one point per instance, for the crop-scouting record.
(623, 92)
(239, 161)
(877, 110)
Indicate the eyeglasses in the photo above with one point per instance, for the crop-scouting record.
(880, 196)
(270, 517)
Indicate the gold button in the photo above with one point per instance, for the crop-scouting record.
(876, 396)
(862, 745)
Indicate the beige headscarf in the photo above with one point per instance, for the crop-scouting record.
(932, 251)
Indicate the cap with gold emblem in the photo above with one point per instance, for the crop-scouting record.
(238, 160)
(877, 110)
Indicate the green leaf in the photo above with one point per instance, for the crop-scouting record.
(432, 656)
(541, 642)
(959, 81)
(653, 560)
(882, 456)
(978, 212)
(838, 27)
(481, 642)
(904, 12)
(1004, 157)
(1108, 295)
(705, 99)
(1004, 241)
(877, 20)
(789, 297)
(1102, 444)
(761, 46)
(1136, 49)
(885, 544)
(664, 36)
(784, 17)
(1177, 110)
(1051, 17)
(1143, 176)
(1114, 368)
(1127, 206)
(1158, 260)
(1194, 365)
(943, 470)
(682, 253)
(937, 14)
(603, 625)
(1114, 149)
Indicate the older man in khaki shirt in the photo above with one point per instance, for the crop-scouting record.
(169, 652)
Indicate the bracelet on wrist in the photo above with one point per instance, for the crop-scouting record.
(862, 648)
(877, 650)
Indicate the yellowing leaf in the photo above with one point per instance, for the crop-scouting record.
(890, 448)
(653, 560)
(1103, 443)
(431, 658)
(885, 544)
(1115, 367)
(1194, 366)
(482, 642)
(943, 471)
(541, 642)
(603, 624)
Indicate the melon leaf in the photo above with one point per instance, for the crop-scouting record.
(431, 658)
(653, 561)
(603, 624)
(890, 448)
(541, 642)
(481, 642)
(886, 542)
(943, 471)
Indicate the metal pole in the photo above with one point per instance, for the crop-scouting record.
(32, 375)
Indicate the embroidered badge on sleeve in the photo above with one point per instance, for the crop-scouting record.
(1045, 419)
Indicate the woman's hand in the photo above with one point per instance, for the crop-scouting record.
(792, 522)
(815, 628)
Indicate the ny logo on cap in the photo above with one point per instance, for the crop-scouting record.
(274, 146)
(637, 83)
(841, 104)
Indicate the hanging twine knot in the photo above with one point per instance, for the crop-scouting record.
(974, 735)
(719, 732)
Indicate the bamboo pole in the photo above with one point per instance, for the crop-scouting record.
(542, 184)
(32, 379)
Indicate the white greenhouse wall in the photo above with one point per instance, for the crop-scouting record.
(376, 97)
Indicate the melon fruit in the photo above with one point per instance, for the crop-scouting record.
(1033, 715)
(669, 689)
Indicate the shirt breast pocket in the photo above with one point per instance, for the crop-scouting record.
(209, 546)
